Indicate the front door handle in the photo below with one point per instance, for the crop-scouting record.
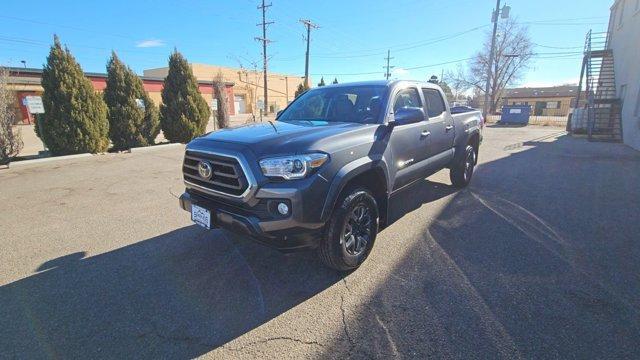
(448, 127)
(425, 133)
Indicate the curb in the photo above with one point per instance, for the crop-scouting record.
(154, 147)
(49, 159)
(85, 155)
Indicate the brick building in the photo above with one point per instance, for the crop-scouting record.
(27, 82)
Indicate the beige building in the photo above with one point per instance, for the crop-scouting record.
(248, 85)
(544, 101)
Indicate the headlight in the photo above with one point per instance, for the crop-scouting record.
(292, 167)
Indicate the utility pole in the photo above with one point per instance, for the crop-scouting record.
(309, 25)
(494, 19)
(388, 58)
(286, 87)
(265, 41)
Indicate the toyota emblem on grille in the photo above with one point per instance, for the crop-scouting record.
(205, 170)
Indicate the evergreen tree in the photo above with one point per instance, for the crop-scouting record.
(301, 89)
(131, 123)
(335, 81)
(184, 113)
(321, 83)
(75, 118)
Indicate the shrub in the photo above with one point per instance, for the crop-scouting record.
(75, 118)
(184, 113)
(130, 125)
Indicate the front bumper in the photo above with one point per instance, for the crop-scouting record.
(287, 233)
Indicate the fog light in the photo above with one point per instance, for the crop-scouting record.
(283, 209)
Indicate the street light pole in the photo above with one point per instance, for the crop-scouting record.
(487, 87)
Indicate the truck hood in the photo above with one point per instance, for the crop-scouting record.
(281, 137)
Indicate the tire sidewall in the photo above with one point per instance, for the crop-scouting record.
(469, 150)
(349, 202)
(457, 172)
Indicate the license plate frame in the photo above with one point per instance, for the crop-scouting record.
(201, 216)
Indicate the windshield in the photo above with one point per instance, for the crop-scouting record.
(360, 104)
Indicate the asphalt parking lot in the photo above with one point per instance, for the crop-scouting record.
(538, 258)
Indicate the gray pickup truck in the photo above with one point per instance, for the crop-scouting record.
(324, 174)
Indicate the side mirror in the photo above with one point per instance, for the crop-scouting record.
(408, 116)
(278, 113)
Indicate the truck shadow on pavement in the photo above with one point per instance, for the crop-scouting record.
(538, 258)
(177, 295)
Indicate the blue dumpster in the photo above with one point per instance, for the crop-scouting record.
(515, 114)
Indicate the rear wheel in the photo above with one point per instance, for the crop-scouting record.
(461, 172)
(351, 231)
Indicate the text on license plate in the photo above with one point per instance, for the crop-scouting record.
(201, 216)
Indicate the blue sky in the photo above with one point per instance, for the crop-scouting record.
(352, 39)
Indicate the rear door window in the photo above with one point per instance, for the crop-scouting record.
(435, 103)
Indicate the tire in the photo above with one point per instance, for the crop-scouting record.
(344, 255)
(462, 171)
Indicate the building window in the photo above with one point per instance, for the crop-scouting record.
(553, 104)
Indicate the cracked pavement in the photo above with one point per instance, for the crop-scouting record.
(537, 259)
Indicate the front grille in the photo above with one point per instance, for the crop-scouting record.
(227, 175)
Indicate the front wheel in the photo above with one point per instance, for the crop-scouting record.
(351, 231)
(461, 172)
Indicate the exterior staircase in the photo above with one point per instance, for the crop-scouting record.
(602, 107)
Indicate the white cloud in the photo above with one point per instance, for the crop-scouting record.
(150, 43)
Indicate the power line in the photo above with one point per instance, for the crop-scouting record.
(541, 55)
(558, 47)
(65, 26)
(399, 47)
(567, 19)
(439, 64)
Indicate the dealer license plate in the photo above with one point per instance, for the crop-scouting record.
(201, 216)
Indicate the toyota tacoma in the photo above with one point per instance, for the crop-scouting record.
(324, 174)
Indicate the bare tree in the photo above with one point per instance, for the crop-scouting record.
(457, 82)
(10, 140)
(513, 54)
(222, 116)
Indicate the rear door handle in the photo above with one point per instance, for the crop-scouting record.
(425, 133)
(448, 127)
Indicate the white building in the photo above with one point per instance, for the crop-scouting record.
(624, 41)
